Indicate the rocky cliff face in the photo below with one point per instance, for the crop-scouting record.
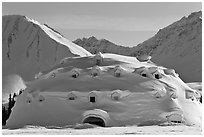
(94, 45)
(29, 47)
(177, 46)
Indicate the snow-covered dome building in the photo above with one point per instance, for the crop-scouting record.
(137, 93)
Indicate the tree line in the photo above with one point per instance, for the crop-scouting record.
(6, 110)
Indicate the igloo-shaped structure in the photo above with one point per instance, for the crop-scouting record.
(133, 99)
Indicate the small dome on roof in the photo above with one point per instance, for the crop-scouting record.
(118, 71)
(96, 71)
(92, 97)
(115, 95)
(71, 96)
(143, 58)
(156, 72)
(170, 72)
(98, 58)
(75, 72)
(28, 100)
(138, 70)
(41, 98)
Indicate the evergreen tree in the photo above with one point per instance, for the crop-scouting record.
(14, 95)
(20, 92)
(4, 115)
(9, 106)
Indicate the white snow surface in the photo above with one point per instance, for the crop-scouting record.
(141, 100)
(85, 129)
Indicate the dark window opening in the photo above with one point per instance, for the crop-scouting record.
(94, 74)
(144, 75)
(201, 99)
(157, 76)
(176, 121)
(29, 101)
(71, 98)
(92, 99)
(74, 76)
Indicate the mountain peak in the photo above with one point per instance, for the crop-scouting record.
(196, 15)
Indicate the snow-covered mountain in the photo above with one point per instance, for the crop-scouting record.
(177, 46)
(29, 47)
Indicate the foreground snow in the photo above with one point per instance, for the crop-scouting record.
(131, 130)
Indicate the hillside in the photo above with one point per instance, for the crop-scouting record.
(175, 46)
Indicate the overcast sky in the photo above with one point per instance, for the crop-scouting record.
(125, 24)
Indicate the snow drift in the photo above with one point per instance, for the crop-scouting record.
(138, 94)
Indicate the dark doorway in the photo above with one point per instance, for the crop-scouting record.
(95, 121)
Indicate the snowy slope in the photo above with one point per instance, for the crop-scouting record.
(125, 91)
(29, 47)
